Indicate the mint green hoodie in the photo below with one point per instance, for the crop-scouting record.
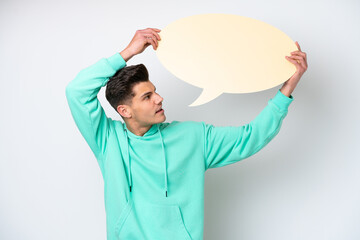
(154, 184)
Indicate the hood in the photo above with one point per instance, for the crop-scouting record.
(155, 128)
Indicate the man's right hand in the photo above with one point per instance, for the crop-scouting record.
(141, 40)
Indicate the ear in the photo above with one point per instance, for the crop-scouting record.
(124, 111)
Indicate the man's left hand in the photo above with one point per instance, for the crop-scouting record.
(298, 58)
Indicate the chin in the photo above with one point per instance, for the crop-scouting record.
(162, 119)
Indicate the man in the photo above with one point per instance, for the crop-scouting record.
(153, 171)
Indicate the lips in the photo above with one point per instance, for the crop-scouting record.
(159, 110)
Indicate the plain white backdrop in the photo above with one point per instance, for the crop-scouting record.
(303, 185)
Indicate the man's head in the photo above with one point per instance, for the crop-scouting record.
(134, 97)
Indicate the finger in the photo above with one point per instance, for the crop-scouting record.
(297, 65)
(156, 34)
(151, 36)
(294, 58)
(156, 29)
(152, 42)
(301, 60)
(153, 32)
(300, 53)
(298, 46)
(300, 63)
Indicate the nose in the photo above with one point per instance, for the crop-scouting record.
(159, 99)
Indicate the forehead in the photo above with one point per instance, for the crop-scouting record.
(143, 87)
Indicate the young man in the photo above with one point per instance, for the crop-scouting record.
(153, 171)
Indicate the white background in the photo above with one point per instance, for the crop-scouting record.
(303, 185)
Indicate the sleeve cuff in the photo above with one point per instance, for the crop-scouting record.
(116, 61)
(282, 101)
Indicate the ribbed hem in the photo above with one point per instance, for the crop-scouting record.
(116, 61)
(282, 101)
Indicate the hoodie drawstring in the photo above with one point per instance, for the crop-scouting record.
(165, 170)
(128, 159)
(164, 157)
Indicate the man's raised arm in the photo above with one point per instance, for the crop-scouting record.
(81, 92)
(88, 114)
(227, 145)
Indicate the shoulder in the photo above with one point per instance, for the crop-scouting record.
(117, 125)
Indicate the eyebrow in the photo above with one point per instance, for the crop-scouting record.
(147, 93)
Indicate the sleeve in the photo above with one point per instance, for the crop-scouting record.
(88, 114)
(227, 145)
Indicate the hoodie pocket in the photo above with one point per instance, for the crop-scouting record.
(151, 222)
(123, 216)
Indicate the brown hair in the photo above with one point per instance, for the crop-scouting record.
(119, 89)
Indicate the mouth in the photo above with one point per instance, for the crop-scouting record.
(160, 111)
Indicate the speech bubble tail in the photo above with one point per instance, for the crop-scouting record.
(205, 96)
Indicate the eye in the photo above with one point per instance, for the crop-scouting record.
(147, 97)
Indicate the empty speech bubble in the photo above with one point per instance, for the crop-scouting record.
(225, 53)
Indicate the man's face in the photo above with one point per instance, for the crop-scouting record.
(146, 105)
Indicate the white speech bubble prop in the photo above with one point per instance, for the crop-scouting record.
(225, 53)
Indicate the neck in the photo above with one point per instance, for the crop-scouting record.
(137, 129)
